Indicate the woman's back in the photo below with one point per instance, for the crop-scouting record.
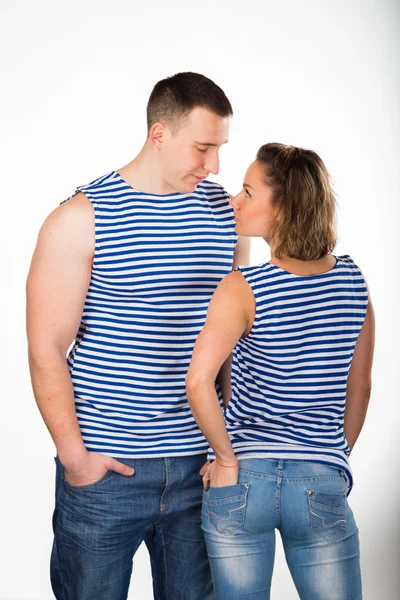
(289, 374)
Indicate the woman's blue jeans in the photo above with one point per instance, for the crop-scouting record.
(307, 503)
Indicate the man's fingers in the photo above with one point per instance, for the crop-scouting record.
(114, 465)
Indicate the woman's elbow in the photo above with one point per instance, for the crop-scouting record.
(360, 390)
(192, 382)
(195, 383)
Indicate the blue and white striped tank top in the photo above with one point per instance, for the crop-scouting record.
(289, 374)
(157, 262)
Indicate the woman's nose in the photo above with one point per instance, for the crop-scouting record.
(234, 201)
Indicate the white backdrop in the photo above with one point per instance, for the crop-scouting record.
(76, 78)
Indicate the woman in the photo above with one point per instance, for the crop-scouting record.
(297, 324)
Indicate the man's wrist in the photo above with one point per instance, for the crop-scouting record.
(71, 456)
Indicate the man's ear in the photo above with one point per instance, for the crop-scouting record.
(157, 134)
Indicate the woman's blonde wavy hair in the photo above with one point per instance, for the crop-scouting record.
(305, 222)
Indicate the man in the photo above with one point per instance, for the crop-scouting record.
(127, 267)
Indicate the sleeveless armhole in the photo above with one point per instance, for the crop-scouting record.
(248, 280)
(346, 258)
(85, 189)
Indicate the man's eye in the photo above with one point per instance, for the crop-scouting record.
(201, 149)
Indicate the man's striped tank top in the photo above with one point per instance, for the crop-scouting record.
(157, 262)
(289, 374)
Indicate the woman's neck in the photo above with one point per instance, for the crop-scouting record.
(304, 267)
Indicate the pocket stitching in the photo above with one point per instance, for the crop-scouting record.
(242, 507)
(341, 512)
(90, 485)
(324, 520)
(337, 510)
(230, 512)
(227, 500)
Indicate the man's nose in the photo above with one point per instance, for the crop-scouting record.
(212, 165)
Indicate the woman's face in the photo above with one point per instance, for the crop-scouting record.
(254, 212)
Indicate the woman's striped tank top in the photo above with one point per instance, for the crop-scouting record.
(289, 374)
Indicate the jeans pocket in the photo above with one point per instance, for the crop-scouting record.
(89, 486)
(328, 514)
(227, 507)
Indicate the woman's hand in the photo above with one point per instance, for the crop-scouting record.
(218, 476)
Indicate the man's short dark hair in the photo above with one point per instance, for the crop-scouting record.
(174, 97)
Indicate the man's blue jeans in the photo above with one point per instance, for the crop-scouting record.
(99, 527)
(307, 503)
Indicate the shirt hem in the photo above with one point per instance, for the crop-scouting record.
(149, 454)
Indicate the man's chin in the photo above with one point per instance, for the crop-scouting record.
(187, 187)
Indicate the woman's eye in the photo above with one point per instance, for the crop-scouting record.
(246, 193)
(202, 150)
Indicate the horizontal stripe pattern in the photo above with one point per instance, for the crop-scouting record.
(289, 374)
(158, 260)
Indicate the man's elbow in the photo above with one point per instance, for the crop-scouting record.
(43, 356)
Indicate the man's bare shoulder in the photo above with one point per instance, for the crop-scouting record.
(76, 208)
(71, 224)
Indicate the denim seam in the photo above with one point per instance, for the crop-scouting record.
(290, 479)
(63, 574)
(162, 505)
(258, 475)
(165, 565)
(306, 479)
(278, 492)
(178, 468)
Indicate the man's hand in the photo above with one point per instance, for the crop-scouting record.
(217, 476)
(92, 467)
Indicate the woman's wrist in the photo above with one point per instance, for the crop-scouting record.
(228, 462)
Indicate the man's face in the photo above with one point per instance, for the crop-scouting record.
(190, 154)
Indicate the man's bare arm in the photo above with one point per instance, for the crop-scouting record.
(56, 289)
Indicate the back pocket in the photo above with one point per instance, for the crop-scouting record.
(327, 514)
(227, 507)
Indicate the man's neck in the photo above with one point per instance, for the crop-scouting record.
(143, 174)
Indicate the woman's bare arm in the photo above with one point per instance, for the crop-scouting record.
(359, 379)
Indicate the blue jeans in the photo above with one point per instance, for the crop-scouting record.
(307, 503)
(99, 527)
